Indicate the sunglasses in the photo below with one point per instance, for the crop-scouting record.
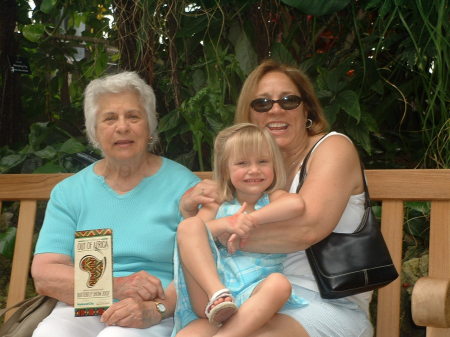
(265, 104)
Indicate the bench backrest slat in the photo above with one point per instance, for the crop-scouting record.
(22, 251)
(388, 305)
(28, 186)
(440, 239)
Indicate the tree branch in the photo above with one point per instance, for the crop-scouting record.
(89, 39)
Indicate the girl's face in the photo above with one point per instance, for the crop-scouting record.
(250, 175)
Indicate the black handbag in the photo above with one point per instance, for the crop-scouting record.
(346, 264)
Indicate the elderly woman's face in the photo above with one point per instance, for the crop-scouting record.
(121, 126)
(286, 126)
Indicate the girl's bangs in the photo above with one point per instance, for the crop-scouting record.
(247, 145)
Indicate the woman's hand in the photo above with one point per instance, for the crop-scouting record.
(140, 285)
(132, 313)
(202, 193)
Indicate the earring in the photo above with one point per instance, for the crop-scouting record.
(309, 123)
(150, 140)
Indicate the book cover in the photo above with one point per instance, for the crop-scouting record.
(93, 272)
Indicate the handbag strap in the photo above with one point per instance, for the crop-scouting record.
(302, 175)
(5, 310)
(17, 305)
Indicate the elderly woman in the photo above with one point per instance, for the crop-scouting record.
(281, 99)
(134, 192)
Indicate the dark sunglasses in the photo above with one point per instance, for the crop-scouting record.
(265, 104)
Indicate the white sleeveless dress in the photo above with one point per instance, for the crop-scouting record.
(343, 317)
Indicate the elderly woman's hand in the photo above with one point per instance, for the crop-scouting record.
(140, 285)
(132, 313)
(202, 193)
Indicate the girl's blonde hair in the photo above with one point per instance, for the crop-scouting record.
(245, 139)
(301, 81)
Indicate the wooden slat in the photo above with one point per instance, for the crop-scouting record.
(401, 184)
(438, 332)
(204, 175)
(439, 261)
(409, 184)
(383, 184)
(28, 186)
(22, 252)
(388, 305)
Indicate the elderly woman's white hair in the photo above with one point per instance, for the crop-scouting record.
(118, 83)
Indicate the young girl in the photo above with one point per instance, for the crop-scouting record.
(249, 171)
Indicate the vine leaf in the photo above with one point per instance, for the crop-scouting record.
(47, 6)
(7, 239)
(245, 53)
(33, 32)
(348, 100)
(72, 146)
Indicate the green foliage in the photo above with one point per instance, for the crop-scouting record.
(7, 239)
(49, 150)
(415, 258)
(410, 39)
(380, 67)
(204, 115)
(65, 46)
(33, 32)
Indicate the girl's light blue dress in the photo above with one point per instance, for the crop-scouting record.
(240, 272)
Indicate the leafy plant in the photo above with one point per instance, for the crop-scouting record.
(50, 150)
(7, 235)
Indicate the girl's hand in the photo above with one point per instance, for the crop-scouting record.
(240, 226)
(241, 223)
(235, 243)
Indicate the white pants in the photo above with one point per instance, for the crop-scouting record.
(62, 323)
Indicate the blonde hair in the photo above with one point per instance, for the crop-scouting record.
(301, 81)
(245, 139)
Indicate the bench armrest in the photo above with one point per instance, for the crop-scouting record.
(430, 302)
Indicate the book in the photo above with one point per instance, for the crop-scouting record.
(93, 288)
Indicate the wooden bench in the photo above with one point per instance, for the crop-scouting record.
(391, 187)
